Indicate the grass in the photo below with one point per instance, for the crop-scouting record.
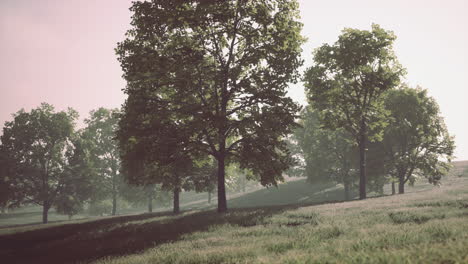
(428, 225)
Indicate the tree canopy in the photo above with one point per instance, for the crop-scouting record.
(216, 71)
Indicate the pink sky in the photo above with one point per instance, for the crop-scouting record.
(62, 52)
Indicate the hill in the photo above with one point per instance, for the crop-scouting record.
(428, 225)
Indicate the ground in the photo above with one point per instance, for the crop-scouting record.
(427, 225)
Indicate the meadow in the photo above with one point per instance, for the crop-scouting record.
(426, 225)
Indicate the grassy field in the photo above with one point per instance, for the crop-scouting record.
(427, 225)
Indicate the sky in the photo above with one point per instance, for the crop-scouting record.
(62, 52)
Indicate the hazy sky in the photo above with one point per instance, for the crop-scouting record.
(62, 52)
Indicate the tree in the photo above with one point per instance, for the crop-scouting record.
(100, 132)
(10, 194)
(219, 70)
(328, 155)
(39, 143)
(145, 195)
(80, 174)
(416, 139)
(346, 83)
(205, 177)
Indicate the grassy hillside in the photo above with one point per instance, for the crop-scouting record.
(428, 225)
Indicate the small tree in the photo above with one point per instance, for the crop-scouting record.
(346, 83)
(416, 140)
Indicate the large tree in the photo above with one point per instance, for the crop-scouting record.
(219, 70)
(40, 145)
(416, 140)
(100, 133)
(346, 83)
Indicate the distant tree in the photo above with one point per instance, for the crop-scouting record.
(80, 174)
(238, 179)
(39, 143)
(205, 177)
(145, 195)
(221, 68)
(100, 133)
(154, 150)
(346, 83)
(416, 140)
(329, 156)
(377, 168)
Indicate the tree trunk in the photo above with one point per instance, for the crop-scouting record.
(209, 197)
(176, 206)
(222, 203)
(401, 184)
(45, 212)
(114, 203)
(151, 192)
(393, 188)
(347, 188)
(244, 183)
(150, 204)
(362, 161)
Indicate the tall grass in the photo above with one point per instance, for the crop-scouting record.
(426, 226)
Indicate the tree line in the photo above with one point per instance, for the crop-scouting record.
(207, 91)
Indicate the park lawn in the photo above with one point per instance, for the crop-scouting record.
(427, 225)
(419, 227)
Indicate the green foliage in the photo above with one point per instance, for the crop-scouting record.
(213, 75)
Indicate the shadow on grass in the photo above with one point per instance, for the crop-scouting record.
(117, 236)
(123, 235)
(83, 242)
